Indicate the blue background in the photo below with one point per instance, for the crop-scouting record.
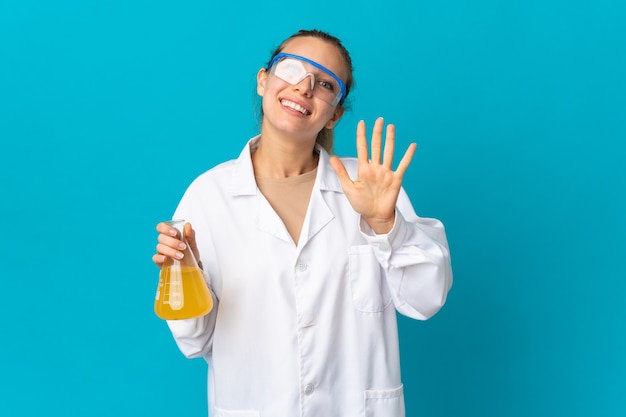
(109, 109)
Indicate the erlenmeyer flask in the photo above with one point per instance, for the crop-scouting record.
(182, 292)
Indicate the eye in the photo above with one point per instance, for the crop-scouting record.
(325, 84)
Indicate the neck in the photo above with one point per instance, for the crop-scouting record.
(279, 157)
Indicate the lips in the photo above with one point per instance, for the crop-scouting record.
(295, 106)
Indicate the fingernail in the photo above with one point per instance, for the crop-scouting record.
(172, 232)
(179, 255)
(182, 246)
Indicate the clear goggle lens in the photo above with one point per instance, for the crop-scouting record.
(324, 84)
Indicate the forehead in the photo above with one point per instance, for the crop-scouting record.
(320, 51)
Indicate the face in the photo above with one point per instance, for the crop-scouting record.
(300, 105)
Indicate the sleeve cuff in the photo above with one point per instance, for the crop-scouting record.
(383, 243)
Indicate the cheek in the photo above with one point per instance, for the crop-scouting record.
(328, 110)
(272, 85)
(267, 91)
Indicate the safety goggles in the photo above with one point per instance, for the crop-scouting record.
(294, 68)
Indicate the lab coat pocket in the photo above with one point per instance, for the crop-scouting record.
(384, 403)
(370, 292)
(219, 412)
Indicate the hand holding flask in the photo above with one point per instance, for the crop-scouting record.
(182, 292)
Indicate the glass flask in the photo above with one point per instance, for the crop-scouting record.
(182, 292)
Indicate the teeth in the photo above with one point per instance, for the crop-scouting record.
(295, 106)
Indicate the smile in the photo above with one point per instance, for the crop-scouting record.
(295, 106)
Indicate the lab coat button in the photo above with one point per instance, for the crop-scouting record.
(302, 266)
(308, 389)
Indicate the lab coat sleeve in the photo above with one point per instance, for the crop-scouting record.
(194, 337)
(415, 258)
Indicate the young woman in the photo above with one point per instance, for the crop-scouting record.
(308, 256)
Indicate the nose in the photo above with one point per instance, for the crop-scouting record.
(306, 85)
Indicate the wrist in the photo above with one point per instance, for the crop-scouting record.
(381, 226)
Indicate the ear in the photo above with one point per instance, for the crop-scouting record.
(336, 116)
(261, 79)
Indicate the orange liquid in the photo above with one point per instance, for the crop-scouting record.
(182, 294)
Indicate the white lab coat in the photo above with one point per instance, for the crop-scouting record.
(306, 330)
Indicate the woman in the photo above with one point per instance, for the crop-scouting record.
(308, 256)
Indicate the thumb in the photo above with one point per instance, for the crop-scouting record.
(190, 236)
(189, 233)
(340, 170)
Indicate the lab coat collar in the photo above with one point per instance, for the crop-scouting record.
(318, 214)
(243, 182)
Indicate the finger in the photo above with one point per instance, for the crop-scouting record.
(377, 140)
(171, 241)
(390, 143)
(361, 143)
(406, 160)
(168, 251)
(341, 171)
(170, 246)
(158, 259)
(166, 229)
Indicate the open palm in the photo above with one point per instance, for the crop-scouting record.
(374, 192)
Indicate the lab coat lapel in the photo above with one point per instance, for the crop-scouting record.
(243, 185)
(319, 214)
(269, 222)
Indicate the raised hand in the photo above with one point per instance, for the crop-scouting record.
(374, 192)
